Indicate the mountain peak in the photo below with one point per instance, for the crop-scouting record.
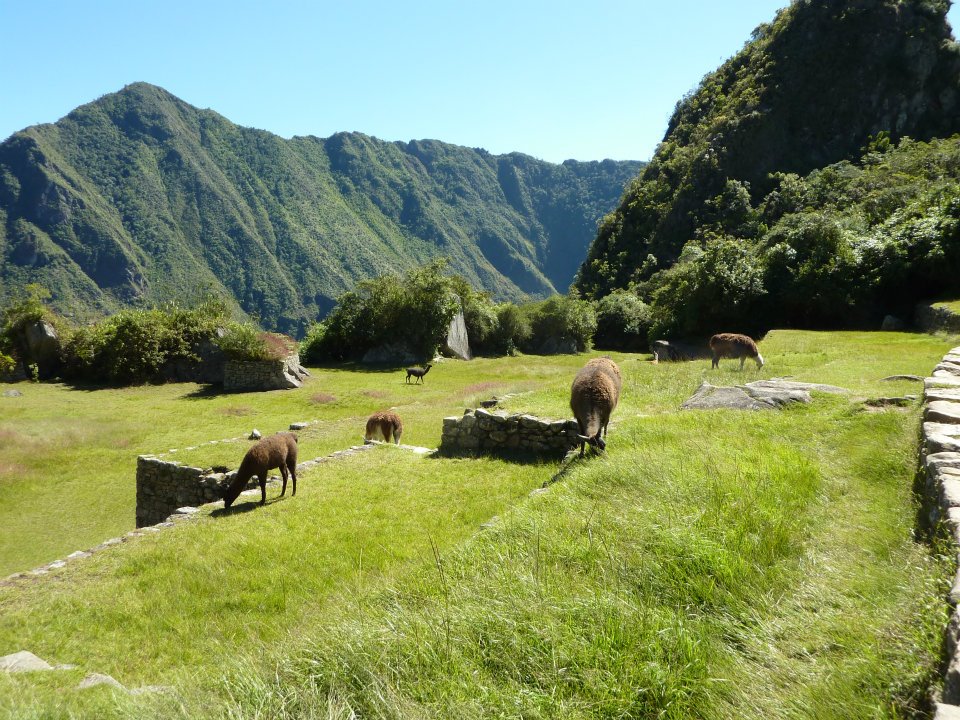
(809, 89)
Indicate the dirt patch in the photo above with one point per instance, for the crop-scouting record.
(377, 394)
(237, 411)
(322, 398)
(7, 469)
(10, 436)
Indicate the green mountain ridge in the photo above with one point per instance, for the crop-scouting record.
(814, 87)
(138, 197)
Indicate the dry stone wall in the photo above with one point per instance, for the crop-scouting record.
(165, 485)
(496, 431)
(940, 471)
(264, 374)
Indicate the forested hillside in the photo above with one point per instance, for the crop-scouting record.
(827, 81)
(139, 197)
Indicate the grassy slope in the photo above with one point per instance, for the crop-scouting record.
(711, 565)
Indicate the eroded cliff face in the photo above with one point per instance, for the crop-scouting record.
(809, 89)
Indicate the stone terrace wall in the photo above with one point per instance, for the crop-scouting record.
(483, 430)
(940, 472)
(264, 374)
(164, 486)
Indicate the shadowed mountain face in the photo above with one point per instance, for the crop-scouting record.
(810, 89)
(140, 197)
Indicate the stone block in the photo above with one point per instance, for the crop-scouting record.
(949, 492)
(942, 411)
(946, 712)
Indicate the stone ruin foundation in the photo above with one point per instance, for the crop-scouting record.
(491, 432)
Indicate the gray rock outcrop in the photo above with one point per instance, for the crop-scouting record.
(673, 351)
(743, 397)
(23, 661)
(457, 343)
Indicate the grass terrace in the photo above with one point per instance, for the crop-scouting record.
(713, 564)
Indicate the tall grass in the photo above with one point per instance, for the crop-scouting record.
(712, 564)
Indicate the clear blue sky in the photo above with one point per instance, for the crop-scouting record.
(559, 79)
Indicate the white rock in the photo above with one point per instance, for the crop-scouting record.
(94, 679)
(23, 661)
(946, 712)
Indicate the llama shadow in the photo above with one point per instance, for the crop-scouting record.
(245, 507)
(513, 457)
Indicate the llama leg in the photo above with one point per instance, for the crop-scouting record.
(283, 474)
(715, 364)
(396, 436)
(293, 474)
(743, 359)
(262, 477)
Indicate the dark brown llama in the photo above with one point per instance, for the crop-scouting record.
(276, 451)
(418, 372)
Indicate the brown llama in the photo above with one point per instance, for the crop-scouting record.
(386, 424)
(734, 345)
(276, 451)
(593, 397)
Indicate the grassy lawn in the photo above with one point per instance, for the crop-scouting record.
(952, 305)
(711, 565)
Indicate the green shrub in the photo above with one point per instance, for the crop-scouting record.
(7, 365)
(245, 342)
(133, 346)
(413, 310)
(311, 346)
(623, 322)
(559, 323)
(712, 289)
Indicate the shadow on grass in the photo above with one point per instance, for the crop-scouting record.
(514, 457)
(246, 507)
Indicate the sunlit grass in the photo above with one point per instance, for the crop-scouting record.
(711, 565)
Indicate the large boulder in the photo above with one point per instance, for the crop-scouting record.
(457, 343)
(41, 346)
(673, 351)
(743, 397)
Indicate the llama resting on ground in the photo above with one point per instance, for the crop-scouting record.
(276, 451)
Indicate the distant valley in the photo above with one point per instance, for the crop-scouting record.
(139, 198)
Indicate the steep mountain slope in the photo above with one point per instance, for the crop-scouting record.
(809, 89)
(140, 197)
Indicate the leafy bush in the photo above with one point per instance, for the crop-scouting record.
(714, 289)
(412, 310)
(7, 365)
(133, 346)
(559, 324)
(246, 342)
(311, 346)
(623, 321)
